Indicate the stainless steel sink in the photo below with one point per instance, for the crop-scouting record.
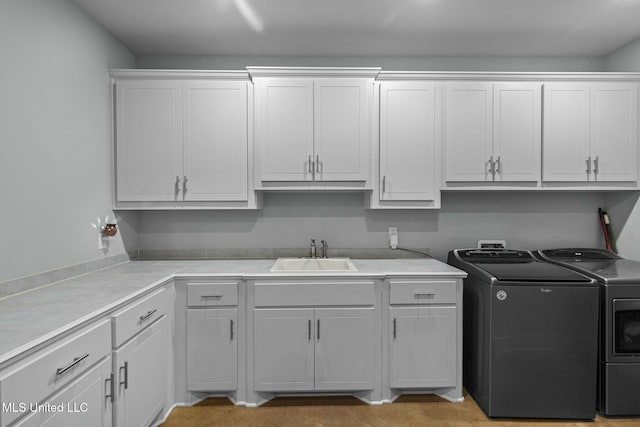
(312, 265)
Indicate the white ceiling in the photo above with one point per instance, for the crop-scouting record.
(370, 27)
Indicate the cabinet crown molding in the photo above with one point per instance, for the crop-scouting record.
(366, 72)
(179, 74)
(505, 76)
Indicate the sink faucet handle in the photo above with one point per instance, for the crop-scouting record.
(325, 247)
(313, 248)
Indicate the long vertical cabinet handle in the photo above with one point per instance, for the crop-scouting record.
(395, 328)
(497, 167)
(177, 186)
(317, 163)
(126, 375)
(184, 187)
(596, 168)
(588, 166)
(231, 330)
(310, 166)
(111, 394)
(309, 331)
(384, 184)
(318, 331)
(492, 167)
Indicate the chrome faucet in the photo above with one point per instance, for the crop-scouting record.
(313, 248)
(325, 247)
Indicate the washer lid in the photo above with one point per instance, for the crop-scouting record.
(580, 254)
(532, 271)
(518, 266)
(601, 264)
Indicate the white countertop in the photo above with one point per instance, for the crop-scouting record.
(32, 318)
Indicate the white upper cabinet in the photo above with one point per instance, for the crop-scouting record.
(341, 129)
(285, 129)
(468, 131)
(566, 132)
(492, 132)
(312, 126)
(215, 140)
(517, 131)
(182, 142)
(614, 131)
(148, 140)
(590, 132)
(407, 141)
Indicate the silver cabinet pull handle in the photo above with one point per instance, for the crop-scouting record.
(111, 395)
(395, 330)
(125, 383)
(149, 314)
(211, 296)
(231, 327)
(75, 361)
(184, 187)
(492, 167)
(309, 331)
(310, 165)
(318, 163)
(589, 165)
(418, 295)
(318, 331)
(177, 186)
(596, 167)
(497, 167)
(384, 184)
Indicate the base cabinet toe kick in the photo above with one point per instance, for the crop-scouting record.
(374, 339)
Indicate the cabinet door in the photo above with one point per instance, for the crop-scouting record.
(283, 349)
(423, 347)
(215, 140)
(468, 131)
(212, 349)
(407, 141)
(614, 131)
(344, 349)
(141, 370)
(284, 131)
(148, 140)
(566, 132)
(84, 402)
(341, 129)
(517, 118)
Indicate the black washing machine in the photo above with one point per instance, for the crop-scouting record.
(619, 355)
(530, 335)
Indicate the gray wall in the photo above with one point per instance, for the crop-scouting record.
(626, 209)
(525, 220)
(625, 59)
(55, 130)
(485, 63)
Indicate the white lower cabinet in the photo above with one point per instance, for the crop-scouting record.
(142, 343)
(72, 370)
(212, 349)
(141, 376)
(84, 402)
(423, 347)
(425, 337)
(314, 349)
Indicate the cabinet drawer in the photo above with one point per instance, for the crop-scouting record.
(345, 293)
(52, 368)
(137, 316)
(212, 294)
(422, 292)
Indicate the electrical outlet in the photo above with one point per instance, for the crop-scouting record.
(393, 237)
